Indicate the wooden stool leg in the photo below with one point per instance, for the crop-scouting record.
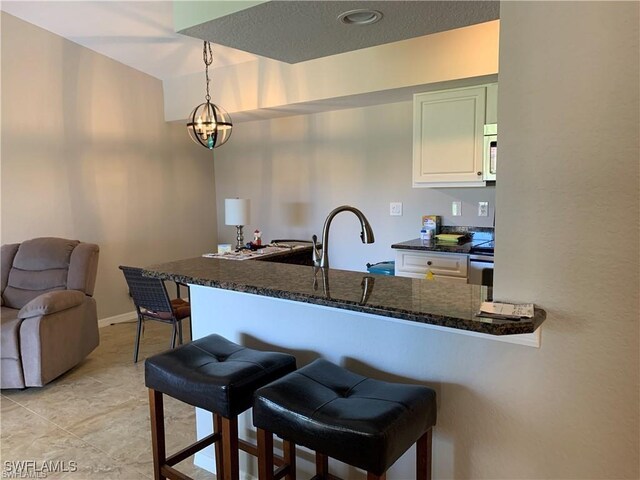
(322, 465)
(265, 455)
(156, 411)
(230, 448)
(373, 476)
(289, 453)
(423, 455)
(217, 428)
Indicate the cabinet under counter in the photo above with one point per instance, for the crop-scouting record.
(450, 267)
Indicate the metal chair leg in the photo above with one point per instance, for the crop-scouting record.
(136, 348)
(174, 334)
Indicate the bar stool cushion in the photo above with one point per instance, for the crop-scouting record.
(215, 374)
(361, 421)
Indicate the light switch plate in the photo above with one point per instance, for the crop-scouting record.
(483, 209)
(395, 209)
(456, 209)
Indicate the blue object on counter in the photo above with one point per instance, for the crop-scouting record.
(382, 268)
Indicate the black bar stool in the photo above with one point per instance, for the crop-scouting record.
(216, 375)
(357, 420)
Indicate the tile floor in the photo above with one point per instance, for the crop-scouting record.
(96, 415)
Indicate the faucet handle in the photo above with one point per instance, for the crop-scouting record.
(315, 252)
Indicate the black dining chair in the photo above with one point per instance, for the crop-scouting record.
(153, 303)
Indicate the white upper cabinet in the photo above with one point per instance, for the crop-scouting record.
(448, 136)
(492, 104)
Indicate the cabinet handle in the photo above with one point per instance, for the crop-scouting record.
(479, 173)
(429, 262)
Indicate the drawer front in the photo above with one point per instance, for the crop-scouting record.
(437, 278)
(450, 265)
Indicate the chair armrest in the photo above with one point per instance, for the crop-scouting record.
(52, 302)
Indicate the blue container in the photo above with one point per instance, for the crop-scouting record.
(382, 268)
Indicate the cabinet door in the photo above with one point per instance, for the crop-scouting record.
(492, 104)
(448, 131)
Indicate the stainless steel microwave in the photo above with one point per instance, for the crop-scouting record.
(490, 151)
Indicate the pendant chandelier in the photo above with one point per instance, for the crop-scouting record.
(209, 125)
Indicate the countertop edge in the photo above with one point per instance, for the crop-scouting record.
(496, 329)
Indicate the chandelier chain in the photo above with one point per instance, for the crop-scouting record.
(207, 56)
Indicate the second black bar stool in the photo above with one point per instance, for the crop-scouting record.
(360, 421)
(217, 375)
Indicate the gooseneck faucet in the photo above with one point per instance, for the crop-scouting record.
(366, 235)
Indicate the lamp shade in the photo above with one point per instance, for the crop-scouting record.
(236, 211)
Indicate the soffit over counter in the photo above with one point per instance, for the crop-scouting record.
(389, 73)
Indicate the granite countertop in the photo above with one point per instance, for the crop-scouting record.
(433, 246)
(424, 301)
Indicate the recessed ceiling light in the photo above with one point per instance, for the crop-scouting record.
(360, 17)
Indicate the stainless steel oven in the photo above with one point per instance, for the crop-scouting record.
(481, 270)
(490, 151)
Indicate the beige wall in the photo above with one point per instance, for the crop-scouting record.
(567, 226)
(297, 169)
(86, 154)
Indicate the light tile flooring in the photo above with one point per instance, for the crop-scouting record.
(97, 414)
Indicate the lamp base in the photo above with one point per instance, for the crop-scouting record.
(239, 237)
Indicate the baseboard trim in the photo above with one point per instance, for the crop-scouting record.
(123, 317)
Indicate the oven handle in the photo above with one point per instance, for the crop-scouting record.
(480, 259)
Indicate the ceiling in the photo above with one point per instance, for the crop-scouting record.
(140, 34)
(295, 31)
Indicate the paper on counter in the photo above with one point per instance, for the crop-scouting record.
(249, 254)
(507, 310)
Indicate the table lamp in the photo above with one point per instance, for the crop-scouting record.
(236, 212)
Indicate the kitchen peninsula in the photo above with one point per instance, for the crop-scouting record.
(412, 300)
(373, 324)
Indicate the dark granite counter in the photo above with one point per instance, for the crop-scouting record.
(431, 302)
(433, 246)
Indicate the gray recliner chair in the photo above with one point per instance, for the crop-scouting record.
(49, 318)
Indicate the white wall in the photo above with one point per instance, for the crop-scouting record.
(297, 169)
(567, 239)
(86, 154)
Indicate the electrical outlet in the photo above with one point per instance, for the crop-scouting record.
(456, 209)
(483, 209)
(395, 209)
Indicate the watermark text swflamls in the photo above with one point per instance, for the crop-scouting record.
(36, 469)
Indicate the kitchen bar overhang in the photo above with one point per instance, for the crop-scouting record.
(430, 302)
